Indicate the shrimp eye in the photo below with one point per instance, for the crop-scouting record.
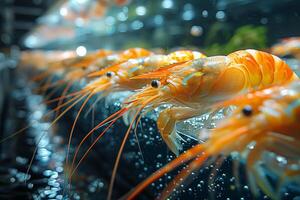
(247, 111)
(155, 83)
(109, 74)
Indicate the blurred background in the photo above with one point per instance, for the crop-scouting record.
(218, 26)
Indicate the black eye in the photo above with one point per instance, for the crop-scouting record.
(247, 111)
(109, 74)
(155, 83)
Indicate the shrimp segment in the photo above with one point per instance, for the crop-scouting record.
(268, 117)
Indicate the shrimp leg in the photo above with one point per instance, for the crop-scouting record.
(269, 142)
(166, 124)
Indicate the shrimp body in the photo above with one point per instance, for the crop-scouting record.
(139, 65)
(205, 80)
(195, 85)
(268, 119)
(120, 57)
(121, 76)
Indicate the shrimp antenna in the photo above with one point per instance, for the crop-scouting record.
(74, 123)
(114, 172)
(64, 92)
(111, 119)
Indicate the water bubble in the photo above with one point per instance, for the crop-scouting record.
(59, 197)
(220, 15)
(196, 31)
(205, 13)
(264, 20)
(30, 185)
(47, 173)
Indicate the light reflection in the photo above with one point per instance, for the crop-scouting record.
(122, 28)
(110, 20)
(79, 22)
(81, 1)
(125, 9)
(63, 11)
(264, 20)
(158, 19)
(141, 10)
(196, 31)
(137, 25)
(44, 153)
(167, 4)
(220, 15)
(205, 13)
(81, 51)
(122, 16)
(188, 15)
(31, 41)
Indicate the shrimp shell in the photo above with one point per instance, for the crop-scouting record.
(273, 124)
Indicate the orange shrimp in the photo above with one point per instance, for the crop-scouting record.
(105, 57)
(67, 66)
(193, 87)
(118, 76)
(287, 46)
(74, 74)
(81, 61)
(268, 119)
(41, 59)
(121, 76)
(101, 84)
(89, 63)
(79, 67)
(121, 57)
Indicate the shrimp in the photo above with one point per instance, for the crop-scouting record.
(120, 57)
(40, 59)
(193, 87)
(287, 46)
(269, 120)
(121, 76)
(66, 66)
(118, 77)
(101, 84)
(91, 62)
(150, 63)
(81, 61)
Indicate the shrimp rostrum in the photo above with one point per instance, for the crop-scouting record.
(265, 122)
